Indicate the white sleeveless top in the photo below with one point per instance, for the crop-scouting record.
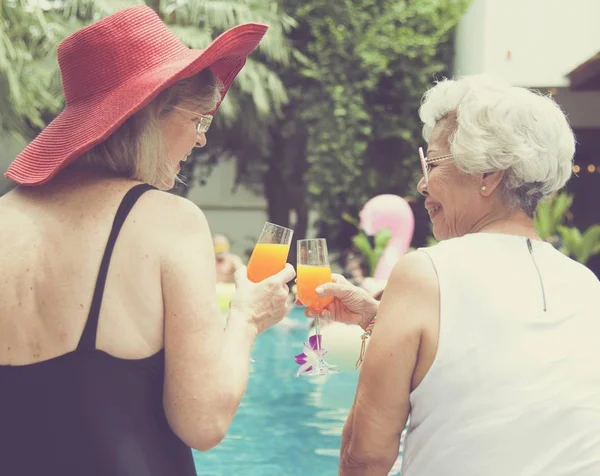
(514, 389)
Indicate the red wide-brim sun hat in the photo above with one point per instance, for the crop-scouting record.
(112, 69)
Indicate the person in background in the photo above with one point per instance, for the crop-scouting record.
(114, 359)
(226, 262)
(356, 272)
(354, 268)
(489, 339)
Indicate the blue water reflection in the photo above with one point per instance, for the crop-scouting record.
(285, 425)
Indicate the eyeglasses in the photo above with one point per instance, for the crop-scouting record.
(427, 163)
(204, 120)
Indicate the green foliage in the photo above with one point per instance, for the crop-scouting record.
(258, 94)
(431, 241)
(549, 223)
(370, 253)
(551, 213)
(366, 65)
(580, 246)
(350, 130)
(27, 39)
(30, 92)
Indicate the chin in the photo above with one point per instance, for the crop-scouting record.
(441, 235)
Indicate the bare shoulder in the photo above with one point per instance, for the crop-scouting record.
(414, 274)
(174, 214)
(410, 303)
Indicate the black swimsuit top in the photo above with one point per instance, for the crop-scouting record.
(87, 413)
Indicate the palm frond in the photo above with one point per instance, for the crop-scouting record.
(192, 36)
(30, 30)
(216, 16)
(81, 12)
(263, 85)
(27, 38)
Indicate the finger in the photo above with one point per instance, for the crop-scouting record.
(285, 275)
(328, 311)
(339, 279)
(310, 313)
(333, 289)
(240, 276)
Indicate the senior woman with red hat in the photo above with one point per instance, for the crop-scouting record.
(113, 357)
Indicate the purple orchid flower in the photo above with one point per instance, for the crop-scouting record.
(313, 352)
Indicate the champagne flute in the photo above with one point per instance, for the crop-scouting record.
(312, 271)
(270, 252)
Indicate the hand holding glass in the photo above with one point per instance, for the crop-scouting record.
(312, 271)
(270, 253)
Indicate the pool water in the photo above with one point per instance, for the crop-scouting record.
(285, 425)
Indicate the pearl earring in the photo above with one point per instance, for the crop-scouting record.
(483, 188)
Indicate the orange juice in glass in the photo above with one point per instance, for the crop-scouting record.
(309, 278)
(312, 271)
(270, 253)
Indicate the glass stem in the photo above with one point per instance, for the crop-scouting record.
(318, 333)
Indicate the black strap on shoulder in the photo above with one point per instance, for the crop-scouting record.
(88, 337)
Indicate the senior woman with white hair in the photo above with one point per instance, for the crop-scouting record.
(488, 339)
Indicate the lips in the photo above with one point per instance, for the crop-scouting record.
(432, 208)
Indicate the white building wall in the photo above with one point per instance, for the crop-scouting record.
(532, 43)
(470, 40)
(239, 214)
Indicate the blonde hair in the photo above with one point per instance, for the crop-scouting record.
(135, 150)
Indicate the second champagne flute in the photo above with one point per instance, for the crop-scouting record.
(312, 271)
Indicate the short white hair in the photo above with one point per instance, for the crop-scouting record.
(503, 127)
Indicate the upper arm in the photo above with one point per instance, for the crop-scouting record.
(188, 273)
(193, 327)
(382, 403)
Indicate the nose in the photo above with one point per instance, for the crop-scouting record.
(422, 187)
(200, 140)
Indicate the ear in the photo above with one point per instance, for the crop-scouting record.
(490, 181)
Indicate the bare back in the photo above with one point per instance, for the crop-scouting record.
(160, 293)
(52, 240)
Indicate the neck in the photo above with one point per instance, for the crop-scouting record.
(78, 173)
(513, 222)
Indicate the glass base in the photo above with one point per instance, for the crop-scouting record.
(320, 369)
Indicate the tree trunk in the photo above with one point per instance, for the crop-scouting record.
(278, 203)
(284, 185)
(300, 229)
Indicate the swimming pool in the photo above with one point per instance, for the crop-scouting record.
(285, 426)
